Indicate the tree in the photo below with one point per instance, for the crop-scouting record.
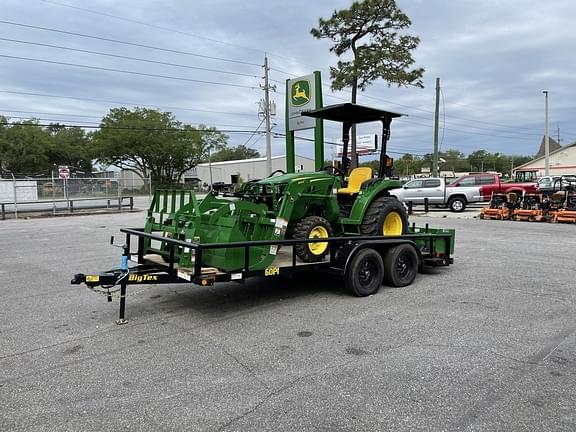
(235, 153)
(408, 164)
(23, 148)
(369, 29)
(153, 143)
(69, 146)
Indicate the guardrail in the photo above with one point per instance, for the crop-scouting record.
(50, 205)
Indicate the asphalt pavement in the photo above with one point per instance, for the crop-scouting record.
(488, 344)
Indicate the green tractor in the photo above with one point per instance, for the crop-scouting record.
(324, 204)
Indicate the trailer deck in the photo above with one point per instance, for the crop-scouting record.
(433, 248)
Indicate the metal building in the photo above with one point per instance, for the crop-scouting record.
(229, 172)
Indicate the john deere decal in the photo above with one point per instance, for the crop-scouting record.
(300, 93)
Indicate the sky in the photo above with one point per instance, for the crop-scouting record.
(72, 61)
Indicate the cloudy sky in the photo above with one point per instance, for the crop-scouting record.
(71, 61)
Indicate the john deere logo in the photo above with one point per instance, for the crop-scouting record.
(300, 93)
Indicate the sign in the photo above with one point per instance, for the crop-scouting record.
(365, 145)
(364, 142)
(302, 97)
(368, 142)
(63, 172)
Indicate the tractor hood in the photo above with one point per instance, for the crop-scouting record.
(288, 178)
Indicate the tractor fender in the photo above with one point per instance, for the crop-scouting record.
(366, 196)
(344, 255)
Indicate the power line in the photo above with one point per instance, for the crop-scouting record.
(49, 113)
(149, 25)
(126, 71)
(127, 57)
(86, 123)
(168, 29)
(234, 61)
(255, 131)
(117, 41)
(466, 132)
(71, 126)
(325, 84)
(121, 103)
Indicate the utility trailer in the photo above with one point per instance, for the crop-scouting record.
(362, 262)
(341, 222)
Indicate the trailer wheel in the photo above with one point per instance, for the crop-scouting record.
(400, 265)
(457, 204)
(365, 273)
(385, 216)
(312, 227)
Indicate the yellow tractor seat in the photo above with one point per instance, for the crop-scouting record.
(357, 177)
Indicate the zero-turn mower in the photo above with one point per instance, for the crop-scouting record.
(500, 207)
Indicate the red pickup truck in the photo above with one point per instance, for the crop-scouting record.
(490, 183)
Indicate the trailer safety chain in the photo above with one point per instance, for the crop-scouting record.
(116, 293)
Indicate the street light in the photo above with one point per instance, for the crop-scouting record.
(546, 139)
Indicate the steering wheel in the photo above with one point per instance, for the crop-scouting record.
(276, 172)
(337, 171)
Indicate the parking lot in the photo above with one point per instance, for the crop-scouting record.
(488, 344)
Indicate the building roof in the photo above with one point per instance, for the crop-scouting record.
(552, 146)
(537, 158)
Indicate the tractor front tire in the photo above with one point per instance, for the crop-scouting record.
(312, 227)
(385, 216)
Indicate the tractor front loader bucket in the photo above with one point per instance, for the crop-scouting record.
(180, 215)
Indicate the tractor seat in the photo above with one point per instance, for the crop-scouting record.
(357, 177)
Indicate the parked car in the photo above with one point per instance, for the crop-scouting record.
(437, 192)
(491, 183)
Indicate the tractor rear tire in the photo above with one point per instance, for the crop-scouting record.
(385, 216)
(400, 265)
(365, 273)
(312, 227)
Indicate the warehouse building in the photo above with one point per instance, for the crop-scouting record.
(229, 172)
(561, 161)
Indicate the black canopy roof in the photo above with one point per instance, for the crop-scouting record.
(350, 113)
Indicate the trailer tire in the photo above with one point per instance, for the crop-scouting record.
(400, 265)
(457, 204)
(365, 273)
(312, 227)
(385, 216)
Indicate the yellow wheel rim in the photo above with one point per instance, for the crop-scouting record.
(320, 247)
(392, 225)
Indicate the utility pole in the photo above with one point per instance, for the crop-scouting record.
(512, 167)
(436, 116)
(210, 165)
(546, 138)
(558, 134)
(267, 113)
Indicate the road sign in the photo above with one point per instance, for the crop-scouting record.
(63, 172)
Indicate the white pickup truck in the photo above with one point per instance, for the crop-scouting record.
(456, 198)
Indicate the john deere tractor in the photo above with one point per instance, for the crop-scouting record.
(327, 203)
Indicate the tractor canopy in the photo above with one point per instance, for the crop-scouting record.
(350, 114)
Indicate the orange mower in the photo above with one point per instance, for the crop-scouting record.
(567, 212)
(501, 206)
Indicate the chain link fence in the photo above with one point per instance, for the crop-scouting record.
(58, 195)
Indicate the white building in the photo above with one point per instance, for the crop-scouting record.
(561, 161)
(246, 169)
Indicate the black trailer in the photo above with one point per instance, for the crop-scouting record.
(362, 262)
